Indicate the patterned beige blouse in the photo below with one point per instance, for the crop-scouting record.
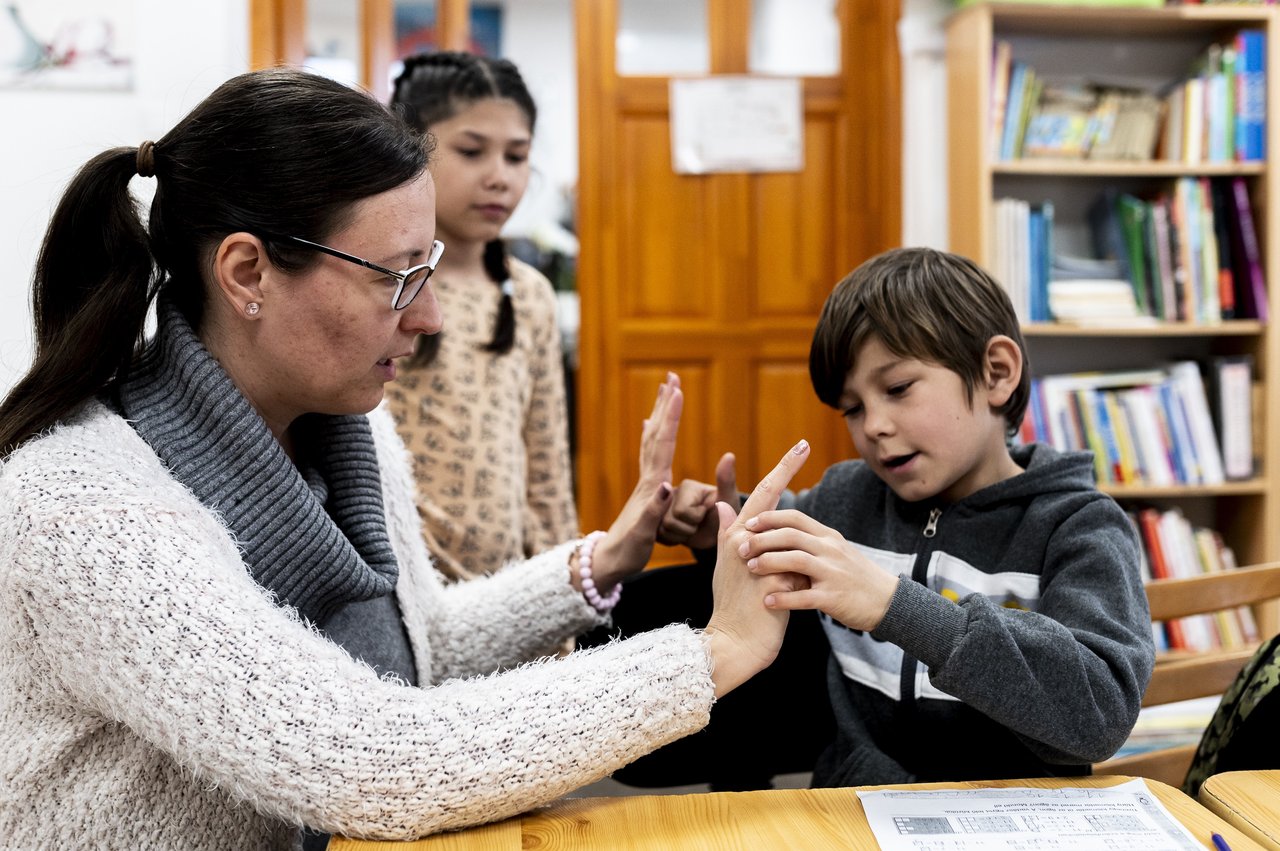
(488, 432)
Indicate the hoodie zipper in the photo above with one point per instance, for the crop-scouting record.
(931, 527)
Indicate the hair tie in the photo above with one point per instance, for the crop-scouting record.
(146, 160)
(508, 288)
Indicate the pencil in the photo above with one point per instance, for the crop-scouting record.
(1220, 843)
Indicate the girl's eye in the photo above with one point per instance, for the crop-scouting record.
(517, 159)
(469, 153)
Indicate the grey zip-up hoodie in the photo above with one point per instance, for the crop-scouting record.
(1018, 642)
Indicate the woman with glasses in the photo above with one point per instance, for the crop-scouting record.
(218, 621)
(482, 406)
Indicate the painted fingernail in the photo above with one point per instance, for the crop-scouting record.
(752, 523)
(801, 447)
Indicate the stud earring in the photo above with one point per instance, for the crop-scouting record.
(252, 308)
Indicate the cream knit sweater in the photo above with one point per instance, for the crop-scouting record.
(152, 695)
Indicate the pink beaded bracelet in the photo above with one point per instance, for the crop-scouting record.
(603, 605)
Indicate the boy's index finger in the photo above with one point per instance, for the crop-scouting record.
(766, 494)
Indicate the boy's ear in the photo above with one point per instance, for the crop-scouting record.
(240, 264)
(1002, 369)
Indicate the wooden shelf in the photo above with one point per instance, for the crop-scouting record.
(1248, 487)
(1066, 20)
(1123, 168)
(1228, 328)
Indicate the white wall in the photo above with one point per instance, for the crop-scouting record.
(182, 50)
(537, 35)
(924, 122)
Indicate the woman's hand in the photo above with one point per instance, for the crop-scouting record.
(745, 636)
(626, 547)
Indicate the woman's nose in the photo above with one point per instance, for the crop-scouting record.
(423, 315)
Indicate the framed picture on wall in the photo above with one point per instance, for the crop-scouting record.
(415, 24)
(71, 44)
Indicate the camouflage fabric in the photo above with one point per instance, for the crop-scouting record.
(1242, 734)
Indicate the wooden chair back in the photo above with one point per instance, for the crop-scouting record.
(1185, 675)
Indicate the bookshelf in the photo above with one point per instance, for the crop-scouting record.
(1144, 48)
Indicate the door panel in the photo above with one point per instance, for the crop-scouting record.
(720, 277)
(795, 215)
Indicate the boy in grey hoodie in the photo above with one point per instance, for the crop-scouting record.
(984, 605)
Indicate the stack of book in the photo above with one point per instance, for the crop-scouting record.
(1191, 255)
(1216, 114)
(1219, 113)
(1174, 549)
(1153, 427)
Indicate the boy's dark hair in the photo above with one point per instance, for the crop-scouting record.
(434, 87)
(921, 303)
(279, 151)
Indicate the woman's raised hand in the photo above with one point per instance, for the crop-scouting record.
(626, 547)
(745, 637)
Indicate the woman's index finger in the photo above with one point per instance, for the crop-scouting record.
(767, 493)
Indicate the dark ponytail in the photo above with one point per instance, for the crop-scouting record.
(434, 87)
(276, 151)
(93, 282)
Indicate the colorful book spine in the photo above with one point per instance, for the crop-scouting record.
(1251, 281)
(1251, 95)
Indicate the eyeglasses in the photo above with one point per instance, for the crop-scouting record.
(412, 280)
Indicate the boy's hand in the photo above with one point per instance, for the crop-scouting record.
(691, 520)
(843, 582)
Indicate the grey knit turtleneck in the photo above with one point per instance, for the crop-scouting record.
(317, 552)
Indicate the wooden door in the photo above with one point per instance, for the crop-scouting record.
(721, 277)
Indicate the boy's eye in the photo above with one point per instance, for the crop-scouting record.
(899, 389)
(852, 411)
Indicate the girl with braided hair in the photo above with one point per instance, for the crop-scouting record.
(482, 406)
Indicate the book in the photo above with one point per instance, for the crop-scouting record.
(1186, 379)
(1210, 307)
(1014, 100)
(1251, 284)
(1251, 95)
(1132, 214)
(1149, 524)
(1231, 403)
(1151, 443)
(1219, 197)
(1002, 58)
(1175, 419)
(1164, 259)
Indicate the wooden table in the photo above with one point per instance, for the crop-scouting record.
(784, 818)
(1250, 800)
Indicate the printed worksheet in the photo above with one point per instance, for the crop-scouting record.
(1127, 817)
